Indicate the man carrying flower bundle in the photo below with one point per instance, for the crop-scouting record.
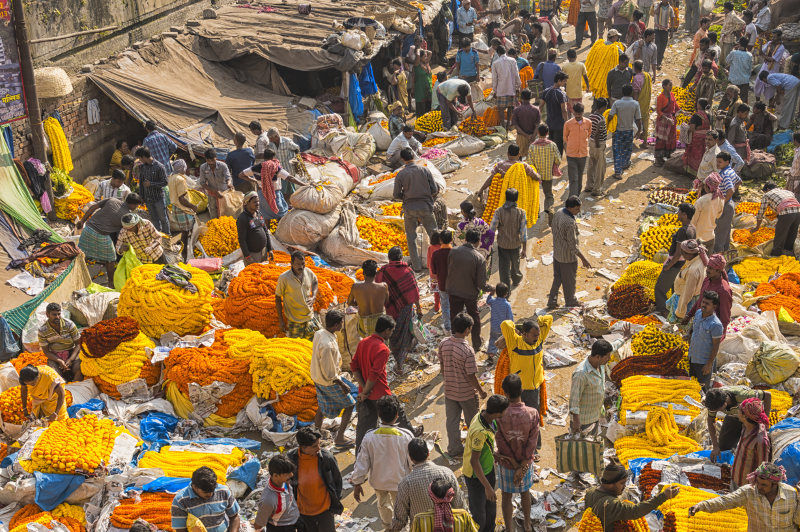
(295, 293)
(46, 390)
(403, 298)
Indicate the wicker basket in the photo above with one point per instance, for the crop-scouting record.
(382, 14)
(52, 82)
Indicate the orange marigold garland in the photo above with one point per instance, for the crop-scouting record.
(34, 359)
(744, 236)
(155, 508)
(627, 301)
(501, 371)
(71, 516)
(784, 292)
(300, 402)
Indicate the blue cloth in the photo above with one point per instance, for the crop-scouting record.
(247, 473)
(366, 81)
(354, 97)
(8, 135)
(266, 212)
(704, 330)
(622, 148)
(239, 160)
(161, 148)
(53, 489)
(740, 64)
(467, 63)
(522, 63)
(91, 404)
(790, 459)
(786, 424)
(785, 81)
(547, 72)
(778, 139)
(165, 484)
(9, 459)
(157, 426)
(9, 347)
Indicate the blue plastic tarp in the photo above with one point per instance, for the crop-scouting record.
(366, 81)
(636, 466)
(91, 404)
(788, 423)
(354, 97)
(53, 489)
(157, 426)
(164, 484)
(247, 473)
(9, 459)
(784, 137)
(790, 460)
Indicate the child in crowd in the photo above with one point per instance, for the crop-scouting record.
(435, 245)
(501, 311)
(278, 508)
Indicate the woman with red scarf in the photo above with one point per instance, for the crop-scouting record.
(754, 445)
(665, 132)
(699, 125)
(270, 174)
(403, 297)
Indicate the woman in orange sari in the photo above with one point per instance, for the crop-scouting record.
(665, 132)
(699, 125)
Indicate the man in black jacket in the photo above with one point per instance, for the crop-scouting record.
(317, 483)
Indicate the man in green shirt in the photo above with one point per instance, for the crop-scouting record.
(478, 463)
(727, 400)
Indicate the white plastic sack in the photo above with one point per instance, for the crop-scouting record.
(257, 414)
(465, 145)
(381, 136)
(740, 347)
(355, 148)
(385, 189)
(89, 309)
(306, 228)
(354, 39)
(82, 391)
(774, 362)
(344, 244)
(30, 333)
(8, 377)
(21, 491)
(447, 163)
(320, 198)
(333, 172)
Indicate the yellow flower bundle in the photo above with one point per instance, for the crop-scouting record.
(429, 122)
(69, 208)
(221, 238)
(744, 236)
(781, 403)
(525, 48)
(435, 141)
(725, 521)
(528, 191)
(640, 319)
(493, 197)
(601, 59)
(752, 207)
(182, 464)
(759, 270)
(668, 219)
(11, 405)
(653, 341)
(121, 365)
(160, 306)
(69, 515)
(645, 393)
(74, 445)
(660, 439)
(392, 209)
(657, 238)
(641, 272)
(381, 235)
(58, 144)
(154, 508)
(685, 98)
(591, 523)
(280, 365)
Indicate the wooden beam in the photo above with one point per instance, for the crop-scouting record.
(76, 34)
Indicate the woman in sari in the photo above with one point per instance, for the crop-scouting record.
(699, 124)
(642, 91)
(754, 444)
(471, 221)
(775, 55)
(665, 132)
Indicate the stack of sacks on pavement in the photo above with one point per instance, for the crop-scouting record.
(115, 352)
(250, 302)
(161, 306)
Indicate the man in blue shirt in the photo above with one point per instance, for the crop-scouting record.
(160, 146)
(547, 71)
(737, 163)
(239, 160)
(466, 61)
(706, 333)
(740, 65)
(213, 504)
(790, 86)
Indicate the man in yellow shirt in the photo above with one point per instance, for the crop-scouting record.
(524, 345)
(46, 389)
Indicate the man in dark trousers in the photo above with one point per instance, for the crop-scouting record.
(466, 277)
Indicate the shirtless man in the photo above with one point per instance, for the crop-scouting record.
(503, 166)
(370, 298)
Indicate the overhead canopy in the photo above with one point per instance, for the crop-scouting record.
(197, 101)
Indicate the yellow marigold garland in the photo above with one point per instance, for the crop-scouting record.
(660, 440)
(429, 122)
(280, 365)
(727, 520)
(69, 208)
(121, 365)
(381, 235)
(221, 238)
(591, 523)
(653, 341)
(601, 59)
(182, 464)
(752, 207)
(657, 238)
(58, 144)
(641, 272)
(759, 270)
(11, 404)
(644, 393)
(744, 236)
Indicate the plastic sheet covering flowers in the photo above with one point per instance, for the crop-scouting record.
(58, 144)
(601, 59)
(11, 404)
(640, 392)
(641, 272)
(660, 439)
(725, 521)
(69, 515)
(381, 235)
(221, 238)
(657, 238)
(429, 122)
(591, 523)
(69, 208)
(281, 369)
(25, 359)
(182, 463)
(744, 236)
(251, 295)
(752, 207)
(783, 292)
(74, 446)
(759, 270)
(161, 306)
(155, 508)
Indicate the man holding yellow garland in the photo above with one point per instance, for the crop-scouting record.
(46, 389)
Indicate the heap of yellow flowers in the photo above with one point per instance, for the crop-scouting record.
(69, 208)
(280, 368)
(381, 235)
(752, 207)
(221, 238)
(74, 445)
(727, 520)
(70, 515)
(11, 405)
(160, 306)
(591, 523)
(435, 141)
(127, 362)
(660, 439)
(601, 59)
(781, 403)
(474, 126)
(643, 393)
(657, 238)
(58, 144)
(525, 48)
(653, 341)
(744, 236)
(759, 270)
(182, 464)
(429, 122)
(668, 219)
(392, 209)
(641, 272)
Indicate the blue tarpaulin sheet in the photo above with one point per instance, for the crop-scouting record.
(53, 489)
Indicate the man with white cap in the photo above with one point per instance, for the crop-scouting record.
(285, 150)
(142, 236)
(253, 235)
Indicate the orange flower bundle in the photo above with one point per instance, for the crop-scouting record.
(205, 365)
(474, 126)
(627, 301)
(709, 482)
(665, 363)
(382, 236)
(66, 514)
(300, 402)
(501, 371)
(491, 117)
(752, 207)
(525, 75)
(435, 141)
(641, 319)
(155, 508)
(744, 236)
(11, 405)
(784, 292)
(34, 359)
(100, 339)
(648, 479)
(3, 450)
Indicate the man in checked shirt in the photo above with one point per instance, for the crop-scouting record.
(786, 205)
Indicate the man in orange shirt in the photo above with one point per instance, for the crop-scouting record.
(577, 131)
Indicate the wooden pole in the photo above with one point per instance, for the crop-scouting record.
(29, 86)
(76, 34)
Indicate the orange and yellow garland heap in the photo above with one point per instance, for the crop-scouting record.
(784, 293)
(435, 141)
(69, 515)
(380, 178)
(381, 235)
(281, 369)
(58, 144)
(752, 207)
(221, 238)
(744, 236)
(493, 197)
(759, 270)
(728, 520)
(69, 208)
(591, 523)
(474, 126)
(29, 359)
(182, 464)
(155, 508)
(11, 405)
(251, 295)
(160, 306)
(392, 209)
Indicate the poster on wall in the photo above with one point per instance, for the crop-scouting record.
(12, 99)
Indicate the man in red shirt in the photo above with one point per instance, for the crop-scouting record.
(369, 370)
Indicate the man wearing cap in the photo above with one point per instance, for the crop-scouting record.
(609, 508)
(784, 203)
(285, 150)
(771, 504)
(253, 235)
(142, 236)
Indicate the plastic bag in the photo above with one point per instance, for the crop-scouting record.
(8, 377)
(790, 459)
(157, 426)
(306, 228)
(740, 347)
(447, 163)
(381, 136)
(82, 391)
(420, 330)
(127, 263)
(198, 199)
(321, 198)
(773, 363)
(465, 145)
(89, 309)
(230, 204)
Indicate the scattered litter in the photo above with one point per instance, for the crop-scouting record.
(531, 301)
(547, 259)
(609, 242)
(532, 263)
(595, 254)
(618, 229)
(646, 155)
(617, 254)
(581, 294)
(584, 232)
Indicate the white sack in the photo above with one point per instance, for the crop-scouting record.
(306, 228)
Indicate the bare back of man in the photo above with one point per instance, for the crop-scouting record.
(370, 298)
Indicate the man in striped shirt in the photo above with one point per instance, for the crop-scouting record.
(211, 503)
(152, 180)
(545, 156)
(730, 183)
(786, 205)
(596, 168)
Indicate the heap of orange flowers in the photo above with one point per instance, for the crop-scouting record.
(11, 405)
(785, 292)
(752, 207)
(151, 507)
(69, 515)
(29, 359)
(102, 338)
(744, 236)
(251, 295)
(382, 178)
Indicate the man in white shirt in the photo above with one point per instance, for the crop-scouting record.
(763, 17)
(505, 84)
(750, 30)
(404, 140)
(114, 187)
(333, 391)
(262, 139)
(465, 20)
